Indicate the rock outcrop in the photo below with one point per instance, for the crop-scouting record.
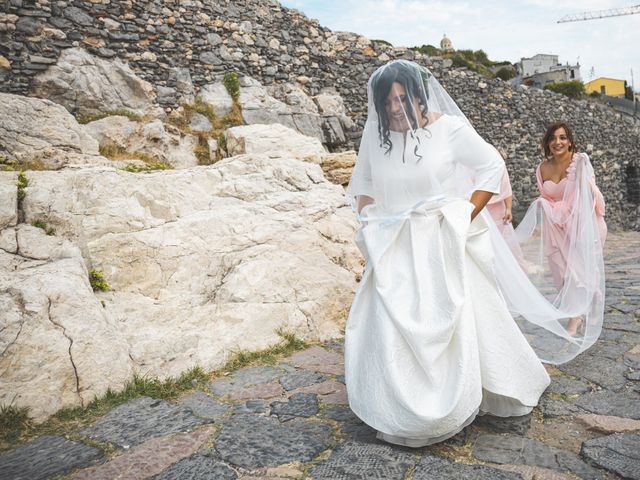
(200, 262)
(86, 84)
(36, 130)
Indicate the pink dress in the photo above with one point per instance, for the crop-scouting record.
(496, 206)
(557, 201)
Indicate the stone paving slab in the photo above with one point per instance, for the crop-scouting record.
(362, 461)
(319, 360)
(148, 459)
(558, 408)
(517, 425)
(619, 453)
(244, 378)
(597, 369)
(623, 322)
(204, 406)
(619, 404)
(608, 423)
(568, 386)
(46, 457)
(141, 419)
(513, 449)
(198, 466)
(253, 441)
(528, 472)
(300, 378)
(432, 467)
(298, 405)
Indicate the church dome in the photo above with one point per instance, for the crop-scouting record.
(445, 44)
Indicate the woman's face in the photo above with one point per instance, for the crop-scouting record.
(559, 143)
(397, 107)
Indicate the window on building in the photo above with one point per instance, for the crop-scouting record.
(603, 90)
(573, 74)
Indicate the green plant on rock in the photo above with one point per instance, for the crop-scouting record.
(148, 167)
(84, 119)
(573, 89)
(506, 73)
(97, 281)
(232, 84)
(23, 182)
(14, 421)
(43, 225)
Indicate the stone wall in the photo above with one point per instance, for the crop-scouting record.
(163, 40)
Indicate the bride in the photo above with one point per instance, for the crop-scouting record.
(431, 340)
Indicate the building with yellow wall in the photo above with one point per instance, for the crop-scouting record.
(606, 86)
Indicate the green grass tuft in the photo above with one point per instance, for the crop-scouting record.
(14, 421)
(97, 281)
(288, 345)
(149, 167)
(43, 225)
(84, 119)
(232, 84)
(69, 421)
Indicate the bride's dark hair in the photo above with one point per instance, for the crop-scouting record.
(414, 82)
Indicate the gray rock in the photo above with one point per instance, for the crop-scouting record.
(360, 432)
(597, 369)
(618, 453)
(432, 467)
(200, 123)
(511, 449)
(300, 378)
(621, 404)
(568, 386)
(517, 425)
(340, 413)
(78, 16)
(298, 405)
(245, 377)
(114, 85)
(356, 460)
(621, 322)
(558, 408)
(140, 420)
(635, 376)
(204, 406)
(200, 467)
(46, 457)
(217, 97)
(626, 307)
(253, 406)
(252, 441)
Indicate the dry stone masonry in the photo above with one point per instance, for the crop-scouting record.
(181, 49)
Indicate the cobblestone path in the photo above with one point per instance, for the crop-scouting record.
(292, 420)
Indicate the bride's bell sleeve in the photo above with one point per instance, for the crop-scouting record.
(483, 159)
(361, 184)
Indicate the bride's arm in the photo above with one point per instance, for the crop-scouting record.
(479, 198)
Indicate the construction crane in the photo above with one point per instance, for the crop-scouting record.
(596, 14)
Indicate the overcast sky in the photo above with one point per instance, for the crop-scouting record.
(506, 30)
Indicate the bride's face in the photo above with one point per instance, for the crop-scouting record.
(397, 107)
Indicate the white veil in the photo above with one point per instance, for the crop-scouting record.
(561, 242)
(541, 310)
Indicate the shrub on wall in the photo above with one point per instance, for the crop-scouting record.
(573, 89)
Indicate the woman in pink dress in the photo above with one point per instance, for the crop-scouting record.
(499, 206)
(573, 209)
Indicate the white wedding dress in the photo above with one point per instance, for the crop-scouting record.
(430, 342)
